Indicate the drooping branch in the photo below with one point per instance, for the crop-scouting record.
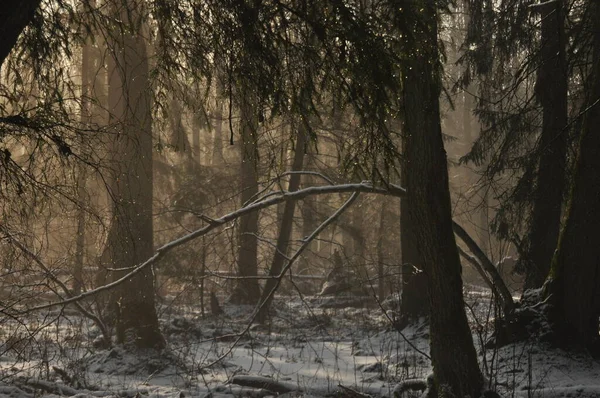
(365, 187)
(488, 267)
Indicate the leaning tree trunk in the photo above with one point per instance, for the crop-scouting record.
(453, 354)
(285, 231)
(551, 89)
(130, 239)
(574, 280)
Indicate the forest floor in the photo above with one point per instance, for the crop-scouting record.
(309, 350)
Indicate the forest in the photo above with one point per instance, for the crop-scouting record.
(300, 198)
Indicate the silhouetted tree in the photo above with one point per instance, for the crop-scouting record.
(453, 356)
(574, 279)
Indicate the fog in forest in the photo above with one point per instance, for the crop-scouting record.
(299, 198)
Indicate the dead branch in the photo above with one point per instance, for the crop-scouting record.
(366, 186)
(490, 269)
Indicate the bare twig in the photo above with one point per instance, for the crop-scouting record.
(305, 243)
(56, 280)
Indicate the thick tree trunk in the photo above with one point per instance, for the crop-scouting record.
(285, 230)
(130, 239)
(415, 297)
(551, 89)
(452, 351)
(574, 280)
(15, 15)
(247, 290)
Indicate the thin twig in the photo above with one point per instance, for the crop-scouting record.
(305, 243)
(56, 280)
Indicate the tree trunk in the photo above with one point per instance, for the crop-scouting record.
(381, 257)
(309, 209)
(551, 89)
(14, 17)
(415, 300)
(217, 149)
(80, 233)
(574, 280)
(285, 231)
(87, 84)
(452, 351)
(130, 239)
(247, 290)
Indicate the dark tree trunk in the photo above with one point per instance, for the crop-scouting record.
(130, 239)
(452, 351)
(574, 280)
(309, 209)
(247, 290)
(285, 230)
(15, 15)
(551, 89)
(381, 246)
(80, 233)
(415, 298)
(217, 149)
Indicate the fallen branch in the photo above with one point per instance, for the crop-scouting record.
(473, 261)
(305, 243)
(392, 190)
(264, 383)
(352, 393)
(489, 268)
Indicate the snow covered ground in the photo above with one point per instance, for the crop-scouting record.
(307, 351)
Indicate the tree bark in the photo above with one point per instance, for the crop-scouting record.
(551, 89)
(130, 239)
(309, 209)
(87, 85)
(15, 15)
(453, 354)
(415, 296)
(247, 290)
(574, 280)
(382, 243)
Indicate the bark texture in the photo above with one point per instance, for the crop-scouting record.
(415, 296)
(574, 282)
(247, 290)
(551, 90)
(130, 239)
(455, 366)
